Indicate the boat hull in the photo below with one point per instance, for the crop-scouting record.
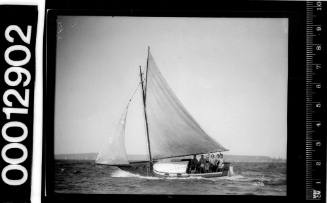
(145, 170)
(179, 170)
(185, 175)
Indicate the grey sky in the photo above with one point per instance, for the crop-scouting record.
(230, 74)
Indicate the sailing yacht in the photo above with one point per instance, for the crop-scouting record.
(171, 132)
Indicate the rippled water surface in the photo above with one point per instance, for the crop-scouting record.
(248, 179)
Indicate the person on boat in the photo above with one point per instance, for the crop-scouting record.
(215, 163)
(207, 164)
(212, 163)
(201, 164)
(193, 165)
(221, 162)
(222, 157)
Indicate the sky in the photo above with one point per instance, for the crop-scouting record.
(229, 73)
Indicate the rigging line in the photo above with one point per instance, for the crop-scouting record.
(134, 92)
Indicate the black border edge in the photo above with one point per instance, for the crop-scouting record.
(294, 11)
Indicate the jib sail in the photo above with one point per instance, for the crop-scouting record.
(114, 152)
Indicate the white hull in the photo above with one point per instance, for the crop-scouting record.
(179, 169)
(185, 175)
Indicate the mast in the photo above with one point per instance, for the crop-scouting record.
(146, 72)
(144, 107)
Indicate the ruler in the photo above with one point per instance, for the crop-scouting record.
(315, 86)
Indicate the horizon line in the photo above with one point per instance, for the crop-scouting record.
(272, 157)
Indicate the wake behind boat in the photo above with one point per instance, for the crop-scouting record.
(170, 131)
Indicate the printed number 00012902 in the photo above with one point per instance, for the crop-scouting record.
(14, 76)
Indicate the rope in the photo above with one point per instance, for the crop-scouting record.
(129, 101)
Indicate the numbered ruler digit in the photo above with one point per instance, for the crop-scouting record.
(315, 142)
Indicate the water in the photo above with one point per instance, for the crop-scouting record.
(248, 179)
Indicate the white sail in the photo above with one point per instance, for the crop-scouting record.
(135, 132)
(129, 136)
(114, 152)
(172, 130)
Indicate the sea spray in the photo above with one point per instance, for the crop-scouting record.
(125, 174)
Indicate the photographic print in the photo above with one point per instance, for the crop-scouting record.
(171, 105)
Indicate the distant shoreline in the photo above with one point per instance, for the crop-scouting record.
(135, 158)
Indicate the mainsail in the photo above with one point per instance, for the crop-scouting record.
(172, 130)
